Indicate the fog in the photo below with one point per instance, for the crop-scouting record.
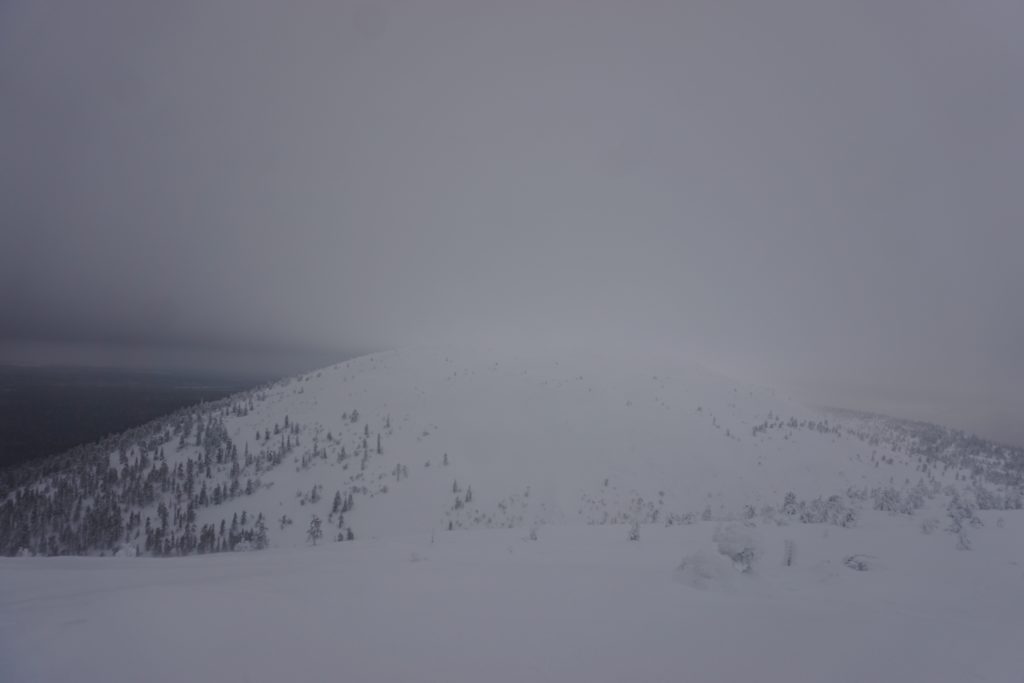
(820, 196)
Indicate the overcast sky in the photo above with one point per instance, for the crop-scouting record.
(822, 195)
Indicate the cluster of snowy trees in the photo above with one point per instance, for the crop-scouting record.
(942, 449)
(143, 489)
(932, 448)
(774, 422)
(96, 498)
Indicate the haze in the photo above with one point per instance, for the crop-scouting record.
(822, 196)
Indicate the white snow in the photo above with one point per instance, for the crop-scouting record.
(575, 447)
(537, 436)
(579, 604)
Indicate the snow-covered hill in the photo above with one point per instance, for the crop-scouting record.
(432, 439)
(562, 517)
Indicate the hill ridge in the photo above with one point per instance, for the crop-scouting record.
(436, 438)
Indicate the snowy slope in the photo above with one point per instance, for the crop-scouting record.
(579, 604)
(528, 439)
(491, 497)
(537, 438)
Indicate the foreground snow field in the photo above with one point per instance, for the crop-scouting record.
(580, 603)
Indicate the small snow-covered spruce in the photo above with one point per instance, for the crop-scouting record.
(739, 545)
(963, 542)
(789, 552)
(315, 532)
(961, 515)
(986, 499)
(860, 563)
(789, 505)
(835, 510)
(634, 531)
(888, 500)
(260, 540)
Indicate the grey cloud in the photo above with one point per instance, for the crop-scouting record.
(821, 195)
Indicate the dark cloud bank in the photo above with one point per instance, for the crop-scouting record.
(824, 196)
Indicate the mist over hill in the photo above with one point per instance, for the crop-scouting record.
(442, 438)
(50, 409)
(614, 258)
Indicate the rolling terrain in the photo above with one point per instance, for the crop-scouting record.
(461, 515)
(429, 439)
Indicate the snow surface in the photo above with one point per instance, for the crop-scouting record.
(581, 603)
(574, 446)
(557, 439)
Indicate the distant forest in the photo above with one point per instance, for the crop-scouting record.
(47, 410)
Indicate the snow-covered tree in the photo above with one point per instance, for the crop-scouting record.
(315, 532)
(260, 540)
